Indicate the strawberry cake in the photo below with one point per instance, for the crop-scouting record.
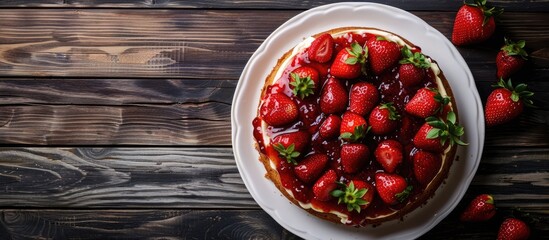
(357, 126)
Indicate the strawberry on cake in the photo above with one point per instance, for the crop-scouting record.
(357, 126)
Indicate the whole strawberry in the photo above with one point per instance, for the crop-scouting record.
(330, 127)
(426, 102)
(412, 67)
(479, 209)
(382, 54)
(356, 195)
(383, 119)
(510, 58)
(353, 127)
(506, 102)
(363, 97)
(334, 97)
(324, 186)
(304, 81)
(513, 229)
(291, 145)
(474, 23)
(348, 62)
(311, 167)
(353, 157)
(437, 133)
(426, 166)
(392, 188)
(278, 110)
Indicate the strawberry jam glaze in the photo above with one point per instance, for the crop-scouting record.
(310, 118)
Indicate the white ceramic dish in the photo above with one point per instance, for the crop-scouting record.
(323, 18)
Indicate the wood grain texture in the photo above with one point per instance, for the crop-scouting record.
(195, 224)
(446, 5)
(121, 178)
(141, 224)
(170, 112)
(196, 44)
(206, 178)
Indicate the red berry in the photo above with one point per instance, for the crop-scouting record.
(324, 186)
(353, 126)
(513, 229)
(382, 54)
(510, 58)
(388, 153)
(330, 127)
(506, 103)
(474, 23)
(363, 97)
(321, 48)
(412, 67)
(383, 119)
(354, 156)
(479, 209)
(392, 188)
(334, 97)
(426, 102)
(348, 62)
(311, 167)
(278, 110)
(304, 81)
(291, 145)
(426, 166)
(430, 144)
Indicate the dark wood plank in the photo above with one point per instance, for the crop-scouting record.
(447, 5)
(206, 178)
(170, 112)
(121, 178)
(196, 224)
(142, 224)
(198, 44)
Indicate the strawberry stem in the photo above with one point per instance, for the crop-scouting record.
(288, 153)
(417, 58)
(303, 87)
(518, 93)
(446, 130)
(350, 196)
(515, 48)
(401, 197)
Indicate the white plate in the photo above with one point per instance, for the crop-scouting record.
(323, 18)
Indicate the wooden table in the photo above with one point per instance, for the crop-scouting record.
(115, 118)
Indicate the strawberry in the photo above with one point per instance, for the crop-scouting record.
(324, 186)
(304, 81)
(474, 23)
(330, 127)
(506, 102)
(383, 119)
(353, 156)
(278, 110)
(334, 97)
(291, 145)
(388, 153)
(382, 54)
(510, 58)
(426, 166)
(479, 209)
(362, 98)
(357, 195)
(353, 126)
(348, 62)
(322, 68)
(436, 133)
(311, 167)
(321, 49)
(426, 102)
(392, 188)
(412, 67)
(513, 229)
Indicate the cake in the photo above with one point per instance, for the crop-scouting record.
(357, 126)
